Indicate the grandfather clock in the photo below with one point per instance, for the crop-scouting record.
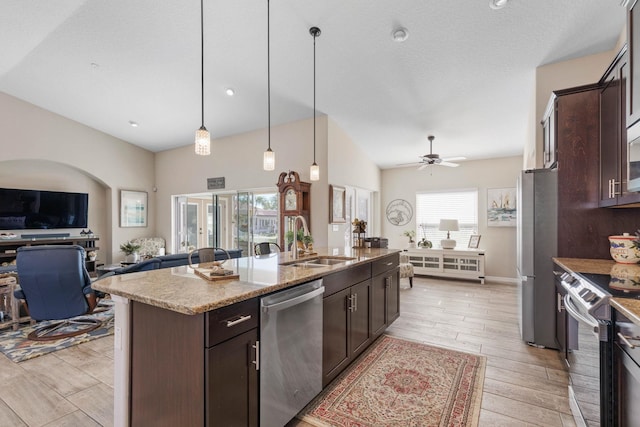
(295, 199)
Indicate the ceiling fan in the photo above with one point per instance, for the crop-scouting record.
(434, 159)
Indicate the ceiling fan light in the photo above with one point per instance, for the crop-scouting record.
(269, 160)
(203, 142)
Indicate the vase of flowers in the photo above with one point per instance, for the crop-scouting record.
(410, 234)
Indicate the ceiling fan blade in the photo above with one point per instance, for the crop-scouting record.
(454, 159)
(451, 165)
(410, 164)
(422, 166)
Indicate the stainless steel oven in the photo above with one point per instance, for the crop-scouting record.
(589, 354)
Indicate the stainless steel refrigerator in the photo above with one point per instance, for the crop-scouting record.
(537, 243)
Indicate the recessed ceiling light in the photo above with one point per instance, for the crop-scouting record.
(497, 4)
(400, 34)
(229, 91)
(95, 66)
(133, 124)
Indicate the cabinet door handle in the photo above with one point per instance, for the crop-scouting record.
(613, 188)
(241, 319)
(387, 282)
(390, 263)
(355, 302)
(350, 303)
(625, 340)
(560, 302)
(256, 362)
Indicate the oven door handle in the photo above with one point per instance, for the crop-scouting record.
(573, 312)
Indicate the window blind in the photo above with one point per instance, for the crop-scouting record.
(433, 206)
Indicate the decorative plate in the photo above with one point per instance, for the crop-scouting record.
(399, 212)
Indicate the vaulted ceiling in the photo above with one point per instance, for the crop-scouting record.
(465, 73)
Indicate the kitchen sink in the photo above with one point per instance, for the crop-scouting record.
(319, 262)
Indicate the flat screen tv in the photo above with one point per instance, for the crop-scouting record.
(42, 210)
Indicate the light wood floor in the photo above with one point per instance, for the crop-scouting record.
(523, 385)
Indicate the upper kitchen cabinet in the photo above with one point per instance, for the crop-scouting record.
(549, 149)
(613, 135)
(633, 42)
(571, 118)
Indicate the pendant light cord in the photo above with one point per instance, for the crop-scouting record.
(202, 58)
(314, 97)
(268, 79)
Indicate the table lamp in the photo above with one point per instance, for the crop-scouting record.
(448, 225)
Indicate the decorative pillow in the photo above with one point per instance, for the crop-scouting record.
(149, 246)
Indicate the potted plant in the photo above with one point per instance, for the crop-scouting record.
(410, 234)
(301, 237)
(131, 251)
(92, 255)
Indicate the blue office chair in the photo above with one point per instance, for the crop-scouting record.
(55, 285)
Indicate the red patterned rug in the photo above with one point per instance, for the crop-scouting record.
(403, 383)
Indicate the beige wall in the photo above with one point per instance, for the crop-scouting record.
(46, 151)
(499, 242)
(350, 166)
(238, 158)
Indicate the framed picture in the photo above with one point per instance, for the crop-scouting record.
(501, 207)
(133, 208)
(474, 241)
(336, 204)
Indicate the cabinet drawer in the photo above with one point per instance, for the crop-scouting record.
(627, 335)
(338, 281)
(387, 263)
(227, 322)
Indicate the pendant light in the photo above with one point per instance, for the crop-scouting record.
(269, 158)
(314, 172)
(203, 139)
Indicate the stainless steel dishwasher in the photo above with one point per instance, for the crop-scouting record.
(290, 352)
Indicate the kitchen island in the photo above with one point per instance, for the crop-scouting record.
(167, 328)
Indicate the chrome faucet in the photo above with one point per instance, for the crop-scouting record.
(305, 229)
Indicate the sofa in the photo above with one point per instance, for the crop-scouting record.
(171, 260)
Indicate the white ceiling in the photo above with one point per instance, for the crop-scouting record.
(465, 74)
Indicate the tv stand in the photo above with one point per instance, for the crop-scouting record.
(9, 247)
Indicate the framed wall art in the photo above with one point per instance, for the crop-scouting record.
(133, 208)
(474, 241)
(501, 207)
(337, 212)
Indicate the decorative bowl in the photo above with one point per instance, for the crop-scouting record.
(622, 249)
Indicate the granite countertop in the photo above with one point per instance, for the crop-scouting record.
(180, 289)
(630, 307)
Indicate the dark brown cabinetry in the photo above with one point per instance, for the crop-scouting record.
(386, 293)
(613, 136)
(549, 149)
(633, 44)
(626, 372)
(346, 328)
(194, 369)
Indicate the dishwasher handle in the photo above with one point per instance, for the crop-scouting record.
(293, 301)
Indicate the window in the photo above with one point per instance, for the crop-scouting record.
(433, 206)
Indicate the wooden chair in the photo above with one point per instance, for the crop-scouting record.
(203, 256)
(264, 248)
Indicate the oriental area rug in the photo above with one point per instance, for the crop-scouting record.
(18, 348)
(403, 383)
